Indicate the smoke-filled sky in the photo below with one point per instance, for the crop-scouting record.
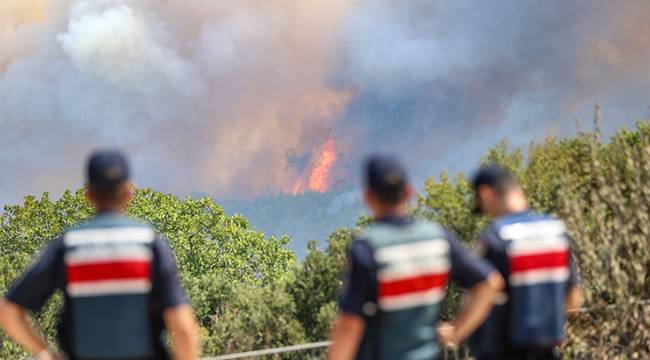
(241, 98)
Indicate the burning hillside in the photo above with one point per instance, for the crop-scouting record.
(246, 98)
(317, 178)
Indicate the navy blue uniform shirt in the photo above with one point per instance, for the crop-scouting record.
(543, 311)
(48, 274)
(361, 278)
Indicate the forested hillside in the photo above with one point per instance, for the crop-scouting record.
(250, 293)
(303, 217)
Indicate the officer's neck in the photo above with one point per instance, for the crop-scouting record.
(513, 204)
(400, 211)
(109, 209)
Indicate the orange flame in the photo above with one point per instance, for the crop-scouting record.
(319, 178)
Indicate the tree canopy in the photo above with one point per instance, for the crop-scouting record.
(249, 292)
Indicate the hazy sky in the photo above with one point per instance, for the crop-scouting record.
(238, 98)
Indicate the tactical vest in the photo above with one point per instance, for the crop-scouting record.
(413, 263)
(538, 255)
(108, 268)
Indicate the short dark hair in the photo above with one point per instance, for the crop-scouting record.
(495, 176)
(386, 178)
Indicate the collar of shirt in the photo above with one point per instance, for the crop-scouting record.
(514, 215)
(395, 220)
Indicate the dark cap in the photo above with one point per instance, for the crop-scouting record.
(385, 176)
(107, 169)
(493, 175)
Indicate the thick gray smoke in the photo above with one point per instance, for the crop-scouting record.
(238, 97)
(440, 81)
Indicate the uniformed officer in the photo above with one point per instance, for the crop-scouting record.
(118, 277)
(532, 253)
(397, 276)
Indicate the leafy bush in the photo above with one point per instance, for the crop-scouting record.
(249, 293)
(608, 220)
(600, 189)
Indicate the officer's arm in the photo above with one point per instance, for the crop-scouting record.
(30, 292)
(483, 283)
(474, 311)
(183, 329)
(346, 337)
(351, 324)
(15, 323)
(574, 299)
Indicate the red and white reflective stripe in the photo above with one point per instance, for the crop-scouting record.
(114, 277)
(406, 301)
(538, 252)
(539, 261)
(109, 271)
(108, 261)
(536, 246)
(410, 251)
(545, 267)
(541, 276)
(412, 285)
(533, 229)
(404, 293)
(118, 235)
(109, 287)
(415, 268)
(92, 255)
(412, 274)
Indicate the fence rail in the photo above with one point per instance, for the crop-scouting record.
(325, 344)
(286, 349)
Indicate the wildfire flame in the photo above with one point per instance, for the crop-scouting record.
(319, 177)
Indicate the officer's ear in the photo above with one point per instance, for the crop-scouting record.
(90, 195)
(409, 193)
(485, 195)
(129, 191)
(368, 197)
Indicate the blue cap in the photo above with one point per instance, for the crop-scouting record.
(107, 169)
(385, 176)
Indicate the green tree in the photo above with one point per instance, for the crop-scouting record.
(221, 258)
(317, 281)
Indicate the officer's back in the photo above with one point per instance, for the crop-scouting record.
(532, 253)
(397, 277)
(118, 277)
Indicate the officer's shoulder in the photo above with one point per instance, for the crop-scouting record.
(129, 221)
(106, 223)
(430, 228)
(381, 229)
(537, 217)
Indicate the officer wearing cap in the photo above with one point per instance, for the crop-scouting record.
(397, 275)
(531, 251)
(118, 277)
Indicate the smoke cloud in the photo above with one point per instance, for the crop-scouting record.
(239, 98)
(441, 81)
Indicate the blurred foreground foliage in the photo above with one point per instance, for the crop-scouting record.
(250, 293)
(600, 188)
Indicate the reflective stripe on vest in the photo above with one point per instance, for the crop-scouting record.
(108, 282)
(538, 252)
(412, 274)
(108, 261)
